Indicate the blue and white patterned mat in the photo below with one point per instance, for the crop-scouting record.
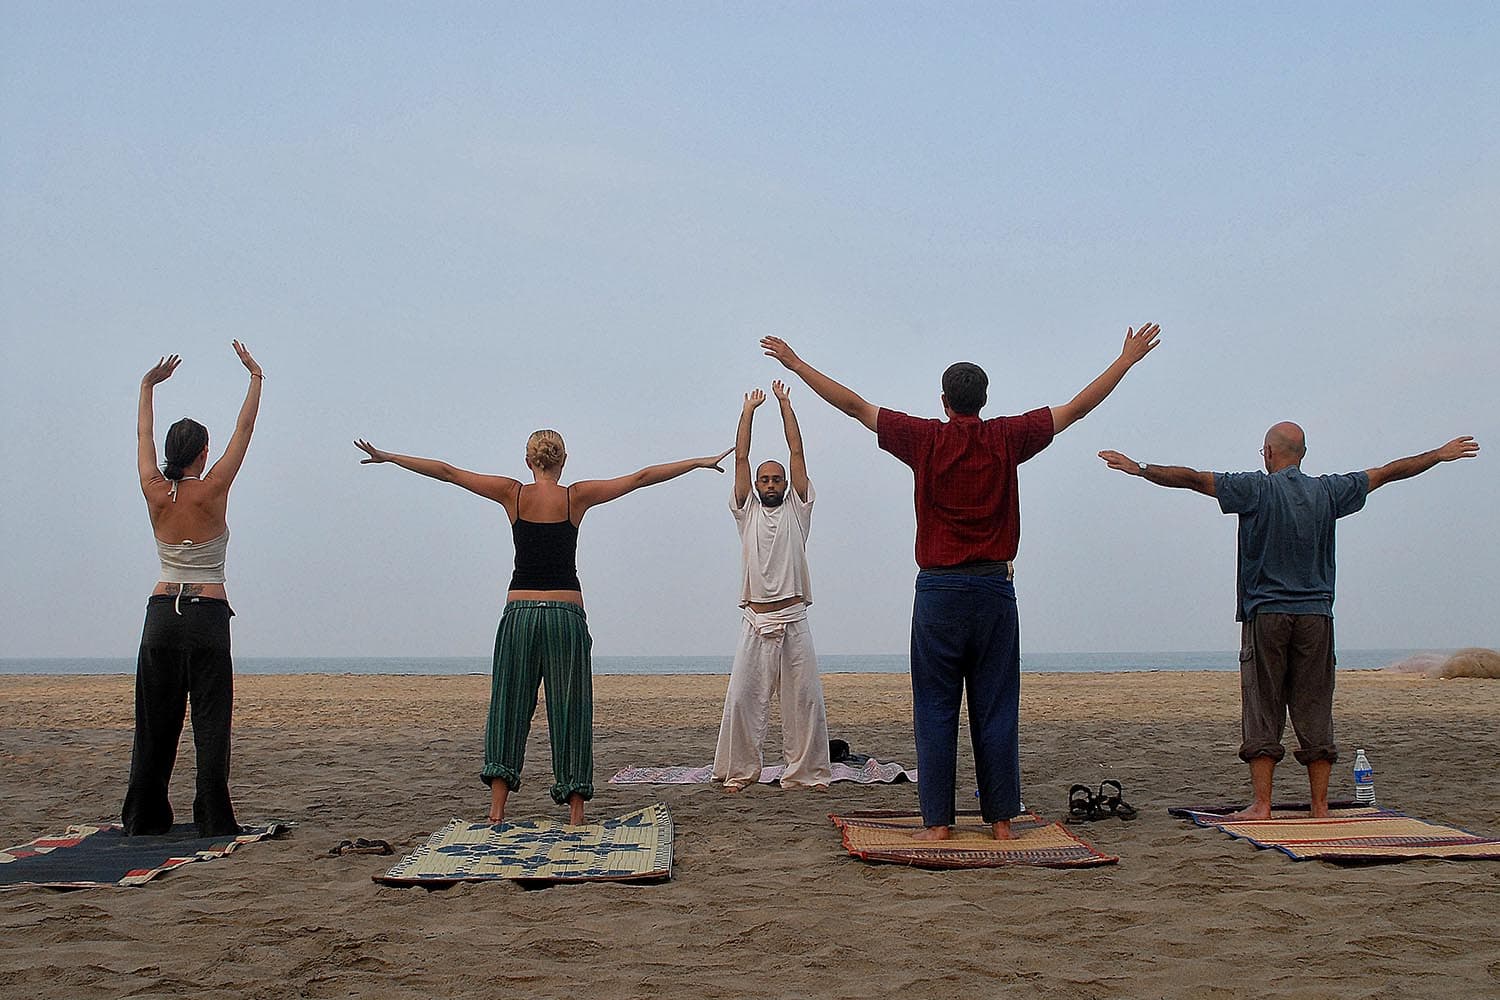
(636, 847)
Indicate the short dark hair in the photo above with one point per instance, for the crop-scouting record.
(185, 442)
(967, 388)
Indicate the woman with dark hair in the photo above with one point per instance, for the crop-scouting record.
(543, 637)
(184, 654)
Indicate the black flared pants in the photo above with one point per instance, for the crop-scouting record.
(184, 659)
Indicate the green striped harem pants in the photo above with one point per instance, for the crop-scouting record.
(542, 642)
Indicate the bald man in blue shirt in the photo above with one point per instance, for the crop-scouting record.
(1285, 593)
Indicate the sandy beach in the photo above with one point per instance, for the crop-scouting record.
(763, 903)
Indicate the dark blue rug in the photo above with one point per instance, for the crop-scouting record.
(89, 856)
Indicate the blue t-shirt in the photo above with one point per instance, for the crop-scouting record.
(1285, 561)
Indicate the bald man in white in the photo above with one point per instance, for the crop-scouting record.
(775, 651)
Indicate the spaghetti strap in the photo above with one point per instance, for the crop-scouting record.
(568, 492)
(519, 487)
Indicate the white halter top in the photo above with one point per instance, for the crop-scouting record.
(193, 562)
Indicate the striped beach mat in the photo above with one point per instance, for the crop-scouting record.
(885, 835)
(87, 857)
(633, 848)
(1352, 834)
(871, 772)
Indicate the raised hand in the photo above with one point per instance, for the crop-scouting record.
(754, 398)
(247, 360)
(1120, 463)
(779, 349)
(376, 455)
(780, 389)
(712, 461)
(1139, 343)
(1459, 447)
(162, 370)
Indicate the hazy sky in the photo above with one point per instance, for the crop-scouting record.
(442, 226)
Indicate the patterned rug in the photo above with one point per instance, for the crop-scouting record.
(633, 848)
(1353, 834)
(872, 772)
(885, 835)
(87, 857)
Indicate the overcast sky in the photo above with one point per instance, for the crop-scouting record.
(442, 226)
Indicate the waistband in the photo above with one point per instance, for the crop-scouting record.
(177, 603)
(567, 606)
(774, 623)
(1006, 569)
(957, 583)
(781, 616)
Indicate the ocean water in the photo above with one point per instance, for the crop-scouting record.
(883, 663)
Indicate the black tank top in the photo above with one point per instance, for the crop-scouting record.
(546, 552)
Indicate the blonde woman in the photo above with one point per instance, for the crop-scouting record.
(543, 636)
(184, 655)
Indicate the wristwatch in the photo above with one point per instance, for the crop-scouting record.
(1143, 467)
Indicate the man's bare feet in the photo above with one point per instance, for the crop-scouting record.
(933, 833)
(1319, 810)
(1255, 810)
(1001, 830)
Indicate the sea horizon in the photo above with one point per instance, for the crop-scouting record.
(832, 663)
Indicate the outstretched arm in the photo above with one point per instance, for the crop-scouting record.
(1138, 343)
(846, 400)
(742, 446)
(1405, 468)
(145, 434)
(592, 492)
(501, 489)
(1176, 476)
(228, 465)
(798, 470)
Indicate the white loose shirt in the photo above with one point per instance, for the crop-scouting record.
(773, 547)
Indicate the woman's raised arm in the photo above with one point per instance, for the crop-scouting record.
(228, 465)
(592, 492)
(501, 489)
(145, 434)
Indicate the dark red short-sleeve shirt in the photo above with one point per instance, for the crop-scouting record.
(968, 502)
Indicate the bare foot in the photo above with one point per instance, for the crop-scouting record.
(1255, 810)
(1001, 829)
(575, 809)
(1319, 810)
(933, 833)
(499, 792)
(732, 789)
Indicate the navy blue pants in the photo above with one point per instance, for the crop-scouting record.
(184, 657)
(964, 635)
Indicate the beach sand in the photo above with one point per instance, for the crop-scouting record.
(764, 903)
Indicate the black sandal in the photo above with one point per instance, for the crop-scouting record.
(361, 846)
(1081, 803)
(1116, 804)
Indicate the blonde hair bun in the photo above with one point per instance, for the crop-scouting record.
(544, 450)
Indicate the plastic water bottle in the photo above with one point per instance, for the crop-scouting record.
(1364, 779)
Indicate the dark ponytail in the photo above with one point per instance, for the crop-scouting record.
(186, 440)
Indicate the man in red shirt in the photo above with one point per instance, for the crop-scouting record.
(963, 627)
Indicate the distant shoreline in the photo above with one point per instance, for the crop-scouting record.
(833, 663)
